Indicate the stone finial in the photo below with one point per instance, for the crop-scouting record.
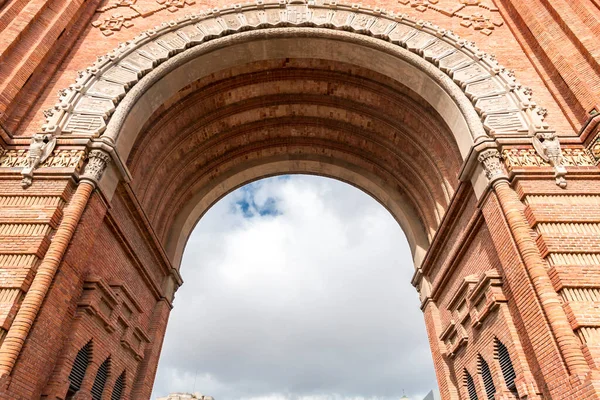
(547, 146)
(492, 164)
(40, 148)
(97, 162)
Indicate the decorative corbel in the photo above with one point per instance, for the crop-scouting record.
(547, 145)
(40, 148)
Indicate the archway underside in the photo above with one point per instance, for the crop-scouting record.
(294, 116)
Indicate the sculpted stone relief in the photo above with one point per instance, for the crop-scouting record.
(505, 106)
(57, 159)
(480, 15)
(123, 12)
(517, 158)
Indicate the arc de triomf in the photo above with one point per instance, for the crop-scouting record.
(474, 122)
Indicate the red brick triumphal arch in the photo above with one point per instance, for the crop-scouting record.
(502, 219)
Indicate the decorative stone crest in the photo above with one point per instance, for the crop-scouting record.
(97, 162)
(547, 146)
(40, 149)
(492, 164)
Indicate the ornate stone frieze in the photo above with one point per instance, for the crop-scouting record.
(58, 159)
(517, 158)
(505, 106)
(96, 164)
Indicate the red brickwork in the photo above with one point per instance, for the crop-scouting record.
(505, 257)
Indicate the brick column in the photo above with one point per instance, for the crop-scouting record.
(513, 210)
(15, 338)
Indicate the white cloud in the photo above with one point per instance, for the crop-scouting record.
(296, 288)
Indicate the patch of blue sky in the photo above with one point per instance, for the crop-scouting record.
(249, 206)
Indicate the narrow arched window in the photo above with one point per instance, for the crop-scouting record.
(470, 386)
(82, 360)
(486, 375)
(100, 381)
(119, 387)
(506, 366)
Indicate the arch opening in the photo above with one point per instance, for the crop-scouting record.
(324, 274)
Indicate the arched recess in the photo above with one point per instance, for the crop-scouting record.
(475, 97)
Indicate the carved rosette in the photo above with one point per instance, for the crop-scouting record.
(97, 162)
(492, 164)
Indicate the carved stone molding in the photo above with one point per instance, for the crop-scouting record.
(505, 107)
(97, 162)
(480, 15)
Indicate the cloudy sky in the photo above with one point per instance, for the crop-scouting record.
(296, 288)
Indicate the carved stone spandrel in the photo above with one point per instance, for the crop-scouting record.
(322, 16)
(382, 27)
(505, 123)
(154, 52)
(298, 14)
(437, 50)
(211, 28)
(138, 63)
(401, 33)
(92, 125)
(362, 22)
(342, 19)
(193, 35)
(484, 88)
(95, 105)
(108, 90)
(121, 75)
(472, 73)
(495, 104)
(173, 42)
(455, 61)
(419, 41)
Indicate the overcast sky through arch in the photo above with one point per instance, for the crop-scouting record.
(296, 287)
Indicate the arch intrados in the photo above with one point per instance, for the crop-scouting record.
(370, 184)
(426, 217)
(434, 182)
(200, 118)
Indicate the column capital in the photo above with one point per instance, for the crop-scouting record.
(492, 164)
(97, 162)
